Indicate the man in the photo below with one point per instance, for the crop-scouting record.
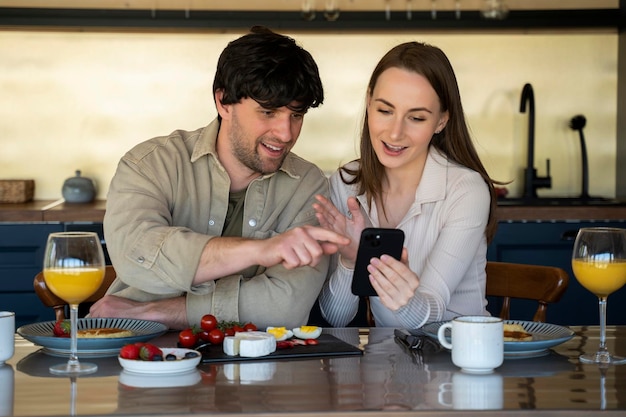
(220, 220)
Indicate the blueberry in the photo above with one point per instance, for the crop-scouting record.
(157, 358)
(170, 357)
(190, 355)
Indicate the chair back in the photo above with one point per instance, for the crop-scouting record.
(544, 284)
(48, 298)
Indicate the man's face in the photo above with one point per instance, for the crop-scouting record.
(261, 138)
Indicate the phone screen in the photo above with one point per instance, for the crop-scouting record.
(374, 243)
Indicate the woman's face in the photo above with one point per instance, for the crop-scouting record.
(403, 114)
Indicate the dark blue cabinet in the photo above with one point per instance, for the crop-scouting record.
(21, 258)
(551, 243)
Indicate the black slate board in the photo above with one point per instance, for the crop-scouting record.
(328, 346)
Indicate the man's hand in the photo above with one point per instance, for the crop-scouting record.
(300, 246)
(171, 311)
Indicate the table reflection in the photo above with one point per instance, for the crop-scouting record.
(7, 389)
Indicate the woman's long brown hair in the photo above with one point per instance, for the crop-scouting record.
(454, 140)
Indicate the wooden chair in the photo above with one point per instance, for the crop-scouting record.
(50, 300)
(544, 284)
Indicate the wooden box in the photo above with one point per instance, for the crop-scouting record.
(16, 191)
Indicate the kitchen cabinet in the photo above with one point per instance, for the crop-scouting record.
(550, 243)
(22, 248)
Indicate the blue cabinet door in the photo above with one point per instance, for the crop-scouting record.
(551, 243)
(22, 248)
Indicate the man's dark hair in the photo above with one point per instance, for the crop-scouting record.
(269, 68)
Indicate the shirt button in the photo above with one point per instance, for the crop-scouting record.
(252, 222)
(211, 222)
(141, 259)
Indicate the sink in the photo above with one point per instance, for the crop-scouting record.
(560, 201)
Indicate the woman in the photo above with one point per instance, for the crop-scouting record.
(418, 172)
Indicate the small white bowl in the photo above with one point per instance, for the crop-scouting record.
(163, 367)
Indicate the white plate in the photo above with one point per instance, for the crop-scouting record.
(163, 367)
(185, 379)
(41, 334)
(545, 336)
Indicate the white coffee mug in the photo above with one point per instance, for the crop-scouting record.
(7, 335)
(473, 392)
(477, 342)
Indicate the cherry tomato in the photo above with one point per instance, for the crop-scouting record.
(208, 322)
(284, 344)
(229, 331)
(237, 328)
(203, 335)
(187, 338)
(216, 337)
(312, 342)
(249, 327)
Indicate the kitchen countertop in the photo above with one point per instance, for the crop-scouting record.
(46, 211)
(40, 211)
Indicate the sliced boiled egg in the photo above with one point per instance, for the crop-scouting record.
(280, 333)
(307, 332)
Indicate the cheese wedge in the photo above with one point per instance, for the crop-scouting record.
(249, 344)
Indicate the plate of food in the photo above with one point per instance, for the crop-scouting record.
(172, 361)
(522, 339)
(97, 337)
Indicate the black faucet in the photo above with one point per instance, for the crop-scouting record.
(531, 180)
(578, 123)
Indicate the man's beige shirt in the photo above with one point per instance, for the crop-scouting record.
(169, 197)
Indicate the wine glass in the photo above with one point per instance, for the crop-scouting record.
(599, 264)
(73, 269)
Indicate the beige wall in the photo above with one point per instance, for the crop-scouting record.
(73, 100)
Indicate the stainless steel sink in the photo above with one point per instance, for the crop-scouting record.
(560, 201)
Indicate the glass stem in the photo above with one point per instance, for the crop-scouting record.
(602, 304)
(73, 361)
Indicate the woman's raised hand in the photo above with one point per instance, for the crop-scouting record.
(350, 226)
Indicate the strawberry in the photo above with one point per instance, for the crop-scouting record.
(62, 328)
(130, 351)
(150, 352)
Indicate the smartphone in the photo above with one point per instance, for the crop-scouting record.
(374, 242)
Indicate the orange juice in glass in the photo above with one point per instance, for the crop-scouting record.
(73, 285)
(73, 268)
(600, 277)
(599, 264)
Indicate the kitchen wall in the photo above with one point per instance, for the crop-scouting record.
(79, 100)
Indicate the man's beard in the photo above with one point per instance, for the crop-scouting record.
(249, 156)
